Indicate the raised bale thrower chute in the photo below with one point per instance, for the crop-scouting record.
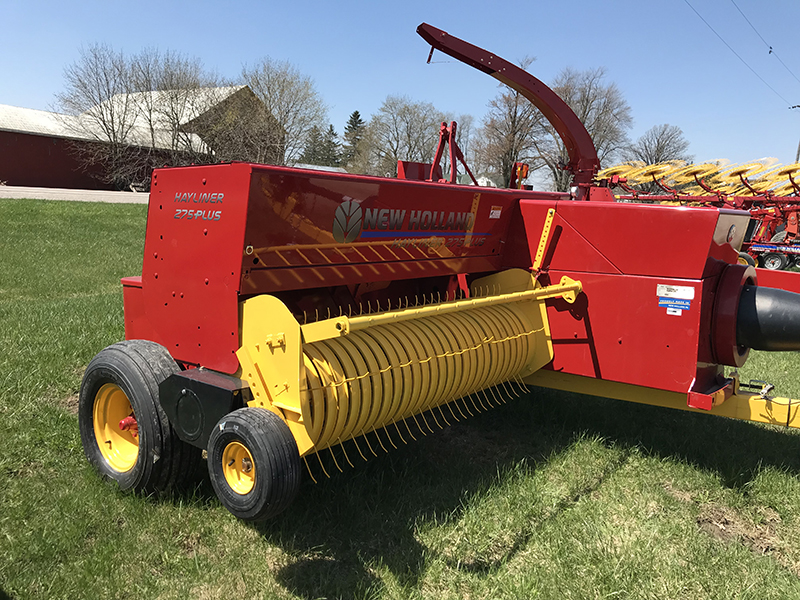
(283, 314)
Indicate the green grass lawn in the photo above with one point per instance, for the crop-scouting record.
(552, 495)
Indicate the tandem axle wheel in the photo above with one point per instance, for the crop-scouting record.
(253, 463)
(125, 434)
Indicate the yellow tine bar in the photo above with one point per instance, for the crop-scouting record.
(479, 358)
(407, 369)
(366, 439)
(319, 458)
(315, 397)
(308, 468)
(437, 364)
(324, 369)
(346, 423)
(375, 383)
(333, 456)
(429, 378)
(341, 445)
(359, 449)
(395, 399)
(568, 289)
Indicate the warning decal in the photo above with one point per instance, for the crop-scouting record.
(675, 298)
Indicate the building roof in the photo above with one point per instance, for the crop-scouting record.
(29, 120)
(165, 109)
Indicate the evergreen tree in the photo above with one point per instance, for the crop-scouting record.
(331, 153)
(322, 149)
(353, 134)
(312, 151)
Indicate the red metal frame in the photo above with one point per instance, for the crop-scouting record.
(447, 137)
(583, 160)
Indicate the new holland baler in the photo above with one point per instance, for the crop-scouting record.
(283, 313)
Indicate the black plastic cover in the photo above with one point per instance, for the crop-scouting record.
(768, 319)
(196, 399)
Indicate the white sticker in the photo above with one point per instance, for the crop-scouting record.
(495, 212)
(683, 292)
(674, 311)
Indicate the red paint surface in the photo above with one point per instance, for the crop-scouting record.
(275, 235)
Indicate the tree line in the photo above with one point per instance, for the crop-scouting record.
(153, 108)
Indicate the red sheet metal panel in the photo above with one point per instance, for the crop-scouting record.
(317, 229)
(783, 280)
(192, 262)
(620, 329)
(649, 276)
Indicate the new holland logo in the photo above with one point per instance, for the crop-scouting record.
(347, 222)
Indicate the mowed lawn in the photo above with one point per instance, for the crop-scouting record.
(551, 495)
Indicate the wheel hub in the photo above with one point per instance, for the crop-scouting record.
(118, 446)
(238, 468)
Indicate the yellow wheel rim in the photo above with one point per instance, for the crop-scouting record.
(119, 448)
(238, 468)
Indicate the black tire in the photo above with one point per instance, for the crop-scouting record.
(162, 461)
(773, 261)
(746, 259)
(274, 460)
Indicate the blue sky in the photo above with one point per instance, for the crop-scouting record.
(669, 65)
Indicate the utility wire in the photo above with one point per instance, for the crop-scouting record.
(771, 50)
(735, 53)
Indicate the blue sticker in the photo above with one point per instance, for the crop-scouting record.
(676, 303)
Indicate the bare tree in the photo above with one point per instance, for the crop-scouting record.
(507, 133)
(660, 143)
(155, 108)
(292, 107)
(603, 111)
(365, 157)
(401, 130)
(465, 135)
(99, 75)
(134, 110)
(172, 90)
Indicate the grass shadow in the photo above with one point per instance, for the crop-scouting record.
(369, 515)
(735, 450)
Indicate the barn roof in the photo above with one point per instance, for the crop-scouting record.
(29, 120)
(166, 108)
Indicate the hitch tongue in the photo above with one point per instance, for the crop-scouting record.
(762, 387)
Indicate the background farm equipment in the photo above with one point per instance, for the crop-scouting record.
(769, 194)
(286, 316)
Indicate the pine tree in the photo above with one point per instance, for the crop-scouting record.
(331, 153)
(323, 149)
(312, 153)
(353, 134)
